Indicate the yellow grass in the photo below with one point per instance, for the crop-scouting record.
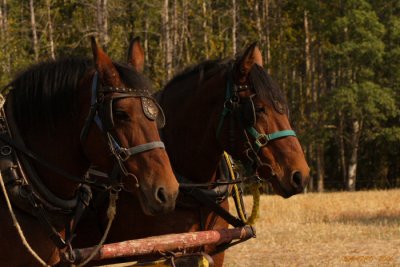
(331, 229)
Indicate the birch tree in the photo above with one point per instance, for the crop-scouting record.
(50, 27)
(34, 30)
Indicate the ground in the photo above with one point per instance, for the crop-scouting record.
(330, 229)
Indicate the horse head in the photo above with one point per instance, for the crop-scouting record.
(126, 118)
(260, 115)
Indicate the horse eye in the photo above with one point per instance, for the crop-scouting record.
(121, 115)
(260, 109)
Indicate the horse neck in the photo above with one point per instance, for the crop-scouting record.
(59, 146)
(190, 132)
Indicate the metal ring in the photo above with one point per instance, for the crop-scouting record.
(5, 150)
(228, 105)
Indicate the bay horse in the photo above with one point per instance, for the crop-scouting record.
(61, 117)
(228, 105)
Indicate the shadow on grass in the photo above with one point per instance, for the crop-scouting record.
(369, 219)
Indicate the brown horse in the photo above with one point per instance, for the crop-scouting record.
(56, 141)
(230, 105)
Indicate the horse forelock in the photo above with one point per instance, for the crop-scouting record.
(265, 87)
(132, 78)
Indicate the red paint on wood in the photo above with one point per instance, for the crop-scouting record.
(163, 243)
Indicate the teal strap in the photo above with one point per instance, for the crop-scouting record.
(221, 120)
(228, 96)
(263, 139)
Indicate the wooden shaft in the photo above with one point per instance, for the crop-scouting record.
(163, 243)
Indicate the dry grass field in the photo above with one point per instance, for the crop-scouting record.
(330, 229)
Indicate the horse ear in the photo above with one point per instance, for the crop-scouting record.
(108, 74)
(136, 55)
(251, 56)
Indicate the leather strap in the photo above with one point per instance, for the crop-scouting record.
(203, 198)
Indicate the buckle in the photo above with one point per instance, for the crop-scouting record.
(123, 154)
(261, 140)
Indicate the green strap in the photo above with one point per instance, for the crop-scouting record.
(221, 120)
(228, 95)
(263, 139)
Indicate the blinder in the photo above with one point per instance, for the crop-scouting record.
(150, 107)
(153, 111)
(106, 114)
(246, 111)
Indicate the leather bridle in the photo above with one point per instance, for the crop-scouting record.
(258, 140)
(101, 113)
(40, 205)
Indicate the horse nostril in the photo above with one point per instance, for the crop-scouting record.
(297, 180)
(160, 195)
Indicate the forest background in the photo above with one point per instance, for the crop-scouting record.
(338, 62)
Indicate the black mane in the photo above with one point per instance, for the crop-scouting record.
(262, 82)
(47, 92)
(204, 67)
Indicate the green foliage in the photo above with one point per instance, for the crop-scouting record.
(353, 59)
(367, 102)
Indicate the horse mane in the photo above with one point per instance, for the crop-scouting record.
(200, 68)
(47, 92)
(264, 86)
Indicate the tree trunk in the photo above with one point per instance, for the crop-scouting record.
(175, 39)
(51, 39)
(34, 31)
(205, 30)
(310, 156)
(267, 32)
(258, 22)
(1, 22)
(342, 155)
(185, 32)
(320, 167)
(6, 38)
(352, 170)
(102, 22)
(234, 26)
(146, 39)
(167, 40)
(307, 54)
(3, 40)
(282, 48)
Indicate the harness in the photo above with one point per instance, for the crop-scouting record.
(242, 111)
(25, 188)
(27, 191)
